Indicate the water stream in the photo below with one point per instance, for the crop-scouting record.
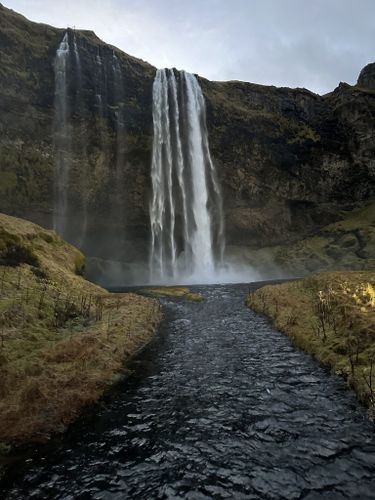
(222, 406)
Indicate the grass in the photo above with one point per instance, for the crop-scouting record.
(169, 291)
(332, 317)
(63, 340)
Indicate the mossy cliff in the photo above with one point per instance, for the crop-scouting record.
(63, 340)
(348, 243)
(290, 161)
(110, 127)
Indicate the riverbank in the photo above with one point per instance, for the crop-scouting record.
(332, 317)
(63, 340)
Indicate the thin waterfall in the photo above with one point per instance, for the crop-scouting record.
(118, 201)
(186, 214)
(76, 56)
(119, 98)
(62, 136)
(68, 99)
(81, 144)
(101, 84)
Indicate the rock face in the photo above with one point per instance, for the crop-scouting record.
(289, 160)
(366, 77)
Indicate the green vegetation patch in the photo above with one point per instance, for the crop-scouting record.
(169, 291)
(79, 265)
(14, 251)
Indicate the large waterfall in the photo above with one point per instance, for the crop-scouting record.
(186, 216)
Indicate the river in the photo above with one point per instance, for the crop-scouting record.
(220, 406)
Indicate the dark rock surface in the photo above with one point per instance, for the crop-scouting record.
(366, 77)
(289, 160)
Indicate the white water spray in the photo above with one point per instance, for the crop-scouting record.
(62, 139)
(186, 216)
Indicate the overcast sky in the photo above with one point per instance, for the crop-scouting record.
(295, 43)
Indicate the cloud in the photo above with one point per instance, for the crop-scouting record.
(313, 44)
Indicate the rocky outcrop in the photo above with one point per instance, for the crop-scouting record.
(289, 160)
(348, 244)
(366, 79)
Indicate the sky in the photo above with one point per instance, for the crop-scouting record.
(295, 43)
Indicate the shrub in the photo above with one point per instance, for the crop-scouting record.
(79, 264)
(13, 251)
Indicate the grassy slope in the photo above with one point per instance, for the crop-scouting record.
(62, 338)
(332, 317)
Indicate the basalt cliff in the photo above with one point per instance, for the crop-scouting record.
(297, 170)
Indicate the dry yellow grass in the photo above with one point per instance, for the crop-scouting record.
(62, 338)
(332, 317)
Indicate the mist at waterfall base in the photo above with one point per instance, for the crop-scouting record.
(187, 241)
(116, 275)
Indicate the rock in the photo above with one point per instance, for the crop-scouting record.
(348, 241)
(366, 77)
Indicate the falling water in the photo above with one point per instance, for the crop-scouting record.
(186, 209)
(62, 138)
(98, 95)
(76, 56)
(117, 199)
(68, 97)
(119, 98)
(81, 145)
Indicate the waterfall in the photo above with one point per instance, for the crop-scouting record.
(76, 57)
(186, 214)
(81, 145)
(119, 102)
(118, 194)
(62, 136)
(68, 97)
(98, 95)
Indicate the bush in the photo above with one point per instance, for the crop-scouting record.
(79, 265)
(13, 251)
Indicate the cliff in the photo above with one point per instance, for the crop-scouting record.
(290, 161)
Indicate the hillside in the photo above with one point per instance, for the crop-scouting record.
(63, 340)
